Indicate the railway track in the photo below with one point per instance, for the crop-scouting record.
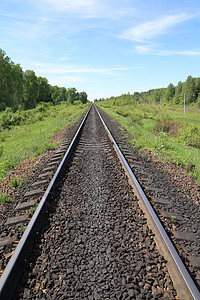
(95, 242)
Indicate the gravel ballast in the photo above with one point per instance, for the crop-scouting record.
(96, 243)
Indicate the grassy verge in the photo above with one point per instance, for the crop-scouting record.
(31, 139)
(165, 131)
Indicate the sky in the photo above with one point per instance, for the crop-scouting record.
(104, 47)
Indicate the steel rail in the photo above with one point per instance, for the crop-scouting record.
(12, 272)
(176, 258)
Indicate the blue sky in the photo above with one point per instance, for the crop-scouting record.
(105, 48)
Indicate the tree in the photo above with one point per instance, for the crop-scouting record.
(156, 95)
(62, 94)
(54, 93)
(44, 91)
(25, 89)
(72, 95)
(17, 86)
(83, 97)
(169, 92)
(5, 80)
(136, 96)
(197, 85)
(190, 90)
(30, 89)
(178, 93)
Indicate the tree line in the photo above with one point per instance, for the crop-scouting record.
(24, 90)
(172, 95)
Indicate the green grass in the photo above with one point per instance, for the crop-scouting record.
(170, 132)
(16, 182)
(5, 199)
(29, 140)
(32, 209)
(22, 228)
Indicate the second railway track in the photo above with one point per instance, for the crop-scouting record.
(95, 242)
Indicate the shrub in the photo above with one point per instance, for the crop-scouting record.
(166, 126)
(194, 141)
(2, 137)
(136, 119)
(122, 113)
(42, 107)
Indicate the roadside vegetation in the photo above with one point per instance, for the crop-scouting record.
(165, 130)
(25, 134)
(5, 199)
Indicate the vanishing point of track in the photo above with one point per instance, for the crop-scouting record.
(98, 241)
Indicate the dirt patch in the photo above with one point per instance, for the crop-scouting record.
(21, 171)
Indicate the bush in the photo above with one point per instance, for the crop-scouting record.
(6, 116)
(194, 142)
(42, 107)
(122, 113)
(167, 126)
(136, 119)
(2, 137)
(9, 118)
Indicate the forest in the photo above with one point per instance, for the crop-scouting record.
(172, 95)
(24, 90)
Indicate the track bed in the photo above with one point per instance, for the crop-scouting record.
(96, 243)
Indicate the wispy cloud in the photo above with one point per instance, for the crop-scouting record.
(146, 35)
(189, 53)
(60, 69)
(78, 6)
(149, 30)
(66, 80)
(69, 75)
(64, 58)
(88, 8)
(152, 50)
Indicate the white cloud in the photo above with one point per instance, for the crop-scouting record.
(60, 69)
(149, 30)
(145, 34)
(64, 58)
(89, 8)
(152, 50)
(144, 49)
(86, 8)
(189, 53)
(66, 80)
